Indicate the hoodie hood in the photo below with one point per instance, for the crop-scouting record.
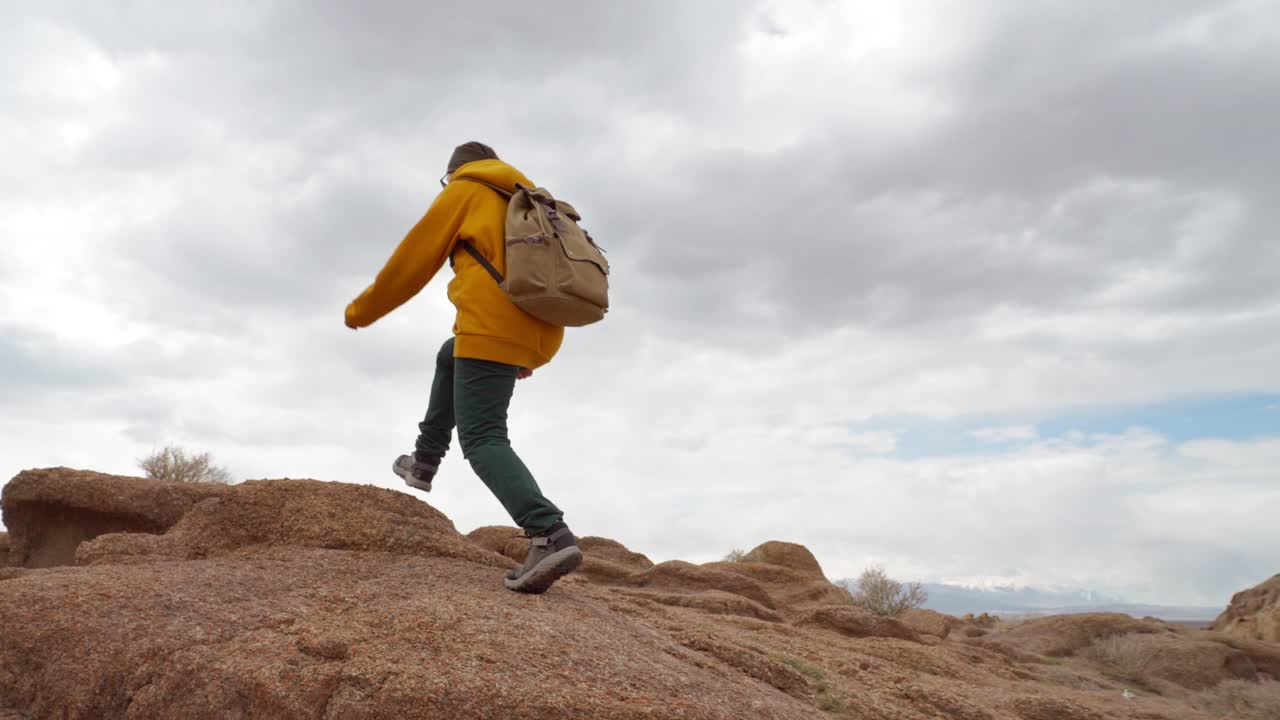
(495, 172)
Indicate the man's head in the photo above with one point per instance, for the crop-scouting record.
(469, 152)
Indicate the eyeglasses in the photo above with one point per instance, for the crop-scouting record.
(444, 180)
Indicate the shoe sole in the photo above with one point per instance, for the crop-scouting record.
(544, 574)
(409, 479)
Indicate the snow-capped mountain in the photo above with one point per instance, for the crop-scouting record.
(998, 597)
(953, 598)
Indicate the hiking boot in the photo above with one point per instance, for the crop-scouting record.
(551, 556)
(417, 473)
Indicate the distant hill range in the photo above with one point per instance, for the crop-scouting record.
(1014, 600)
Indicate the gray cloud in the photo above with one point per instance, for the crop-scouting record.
(816, 218)
(31, 364)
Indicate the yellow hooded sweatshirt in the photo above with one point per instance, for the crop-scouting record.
(488, 325)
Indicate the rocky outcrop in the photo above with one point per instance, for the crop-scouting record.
(1064, 635)
(788, 555)
(613, 552)
(50, 512)
(507, 541)
(857, 622)
(929, 622)
(774, 577)
(790, 574)
(304, 599)
(1191, 663)
(682, 576)
(1264, 655)
(1253, 614)
(712, 601)
(302, 632)
(300, 513)
(4, 549)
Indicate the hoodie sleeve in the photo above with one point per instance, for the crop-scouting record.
(417, 259)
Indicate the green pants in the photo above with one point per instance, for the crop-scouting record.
(474, 396)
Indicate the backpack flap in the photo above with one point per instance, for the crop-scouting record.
(554, 271)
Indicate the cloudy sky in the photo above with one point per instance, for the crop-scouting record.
(979, 292)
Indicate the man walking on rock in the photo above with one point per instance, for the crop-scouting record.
(494, 343)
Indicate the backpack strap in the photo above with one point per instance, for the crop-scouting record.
(473, 252)
(471, 249)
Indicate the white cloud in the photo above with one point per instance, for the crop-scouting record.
(1005, 434)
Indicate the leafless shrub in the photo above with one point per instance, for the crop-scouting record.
(174, 464)
(883, 595)
(1242, 700)
(736, 555)
(1124, 653)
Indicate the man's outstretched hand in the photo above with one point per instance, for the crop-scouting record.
(523, 373)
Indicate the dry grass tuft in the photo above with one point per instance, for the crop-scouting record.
(1123, 653)
(827, 700)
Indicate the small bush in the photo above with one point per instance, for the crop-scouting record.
(173, 464)
(736, 555)
(883, 595)
(831, 704)
(1243, 700)
(825, 700)
(1124, 653)
(809, 670)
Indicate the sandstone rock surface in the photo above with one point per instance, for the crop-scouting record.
(304, 599)
(1191, 663)
(1253, 614)
(929, 622)
(1064, 635)
(50, 512)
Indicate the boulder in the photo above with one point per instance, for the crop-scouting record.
(1064, 635)
(1253, 614)
(1264, 655)
(302, 513)
(929, 622)
(605, 572)
(609, 558)
(788, 555)
(790, 574)
(502, 539)
(677, 575)
(857, 622)
(614, 552)
(791, 589)
(1193, 664)
(50, 512)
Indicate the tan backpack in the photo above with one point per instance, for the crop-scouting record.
(555, 271)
